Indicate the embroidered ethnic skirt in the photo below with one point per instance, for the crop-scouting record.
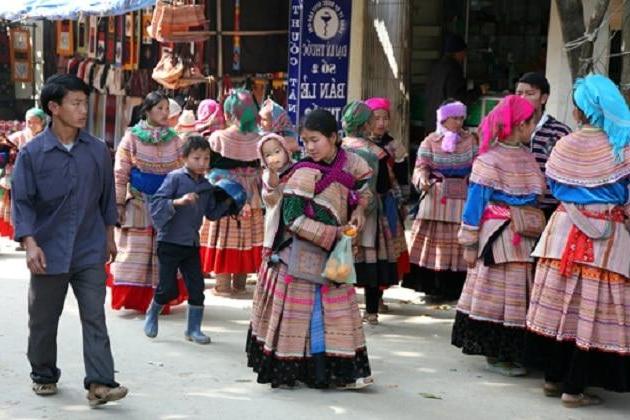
(279, 338)
(579, 328)
(437, 259)
(491, 311)
(233, 245)
(134, 274)
(384, 264)
(6, 227)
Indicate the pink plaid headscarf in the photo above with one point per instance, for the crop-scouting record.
(450, 139)
(209, 117)
(498, 124)
(379, 103)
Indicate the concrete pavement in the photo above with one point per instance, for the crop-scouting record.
(418, 373)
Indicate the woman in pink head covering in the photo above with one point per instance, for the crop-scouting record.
(381, 108)
(500, 226)
(441, 172)
(209, 117)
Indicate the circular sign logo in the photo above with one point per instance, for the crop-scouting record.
(326, 23)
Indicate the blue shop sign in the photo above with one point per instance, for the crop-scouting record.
(319, 53)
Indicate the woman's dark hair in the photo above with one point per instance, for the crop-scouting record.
(152, 100)
(586, 120)
(58, 86)
(320, 120)
(195, 142)
(136, 115)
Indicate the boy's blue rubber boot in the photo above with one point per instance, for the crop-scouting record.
(151, 319)
(193, 330)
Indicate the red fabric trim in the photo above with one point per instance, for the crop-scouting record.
(404, 266)
(230, 261)
(6, 229)
(139, 298)
(579, 247)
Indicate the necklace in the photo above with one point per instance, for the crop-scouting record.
(152, 135)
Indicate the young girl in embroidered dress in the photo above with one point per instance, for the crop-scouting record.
(276, 162)
(505, 183)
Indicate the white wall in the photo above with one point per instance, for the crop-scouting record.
(560, 103)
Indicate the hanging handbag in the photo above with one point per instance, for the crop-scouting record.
(178, 21)
(169, 70)
(528, 221)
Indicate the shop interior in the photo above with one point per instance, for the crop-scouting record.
(505, 39)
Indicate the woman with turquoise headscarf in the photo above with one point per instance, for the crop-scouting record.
(579, 313)
(381, 242)
(35, 120)
(234, 245)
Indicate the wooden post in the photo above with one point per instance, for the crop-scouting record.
(594, 21)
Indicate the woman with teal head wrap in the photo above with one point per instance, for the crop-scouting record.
(605, 108)
(36, 120)
(381, 243)
(579, 311)
(240, 109)
(355, 117)
(35, 123)
(232, 247)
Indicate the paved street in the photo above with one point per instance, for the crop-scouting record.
(418, 374)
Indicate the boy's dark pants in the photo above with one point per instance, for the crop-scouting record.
(46, 296)
(185, 258)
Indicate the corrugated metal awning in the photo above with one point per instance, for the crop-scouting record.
(67, 9)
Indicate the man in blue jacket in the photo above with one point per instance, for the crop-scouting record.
(64, 213)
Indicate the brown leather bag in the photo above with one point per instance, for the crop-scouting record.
(528, 221)
(178, 21)
(168, 70)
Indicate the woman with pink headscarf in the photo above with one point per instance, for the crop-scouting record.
(379, 134)
(441, 173)
(500, 226)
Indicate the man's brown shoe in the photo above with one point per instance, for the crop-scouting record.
(102, 394)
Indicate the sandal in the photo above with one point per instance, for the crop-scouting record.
(371, 319)
(44, 389)
(552, 389)
(507, 369)
(580, 400)
(222, 292)
(358, 384)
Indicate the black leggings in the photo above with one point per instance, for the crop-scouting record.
(373, 296)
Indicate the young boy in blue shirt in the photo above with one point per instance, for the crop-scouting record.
(177, 209)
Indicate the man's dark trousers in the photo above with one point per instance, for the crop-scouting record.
(46, 297)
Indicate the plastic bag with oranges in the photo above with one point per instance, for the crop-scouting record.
(340, 264)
